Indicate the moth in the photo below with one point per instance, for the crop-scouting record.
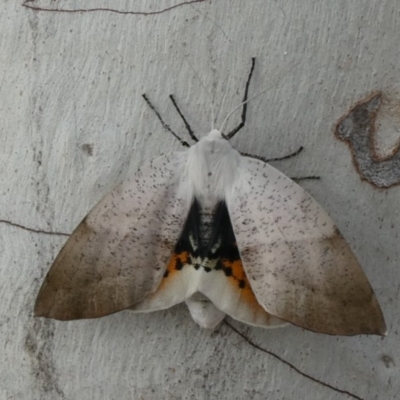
(223, 232)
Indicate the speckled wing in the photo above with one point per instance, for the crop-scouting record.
(119, 253)
(298, 264)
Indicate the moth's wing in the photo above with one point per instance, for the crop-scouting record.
(224, 281)
(118, 254)
(299, 266)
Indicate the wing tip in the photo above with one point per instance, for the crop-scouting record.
(40, 311)
(48, 309)
(382, 329)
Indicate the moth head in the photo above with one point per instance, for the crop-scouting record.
(215, 134)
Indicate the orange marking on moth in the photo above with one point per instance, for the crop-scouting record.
(239, 276)
(172, 270)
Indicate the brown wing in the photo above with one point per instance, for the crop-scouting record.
(119, 252)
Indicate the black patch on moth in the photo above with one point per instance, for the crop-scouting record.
(227, 251)
(218, 250)
(190, 240)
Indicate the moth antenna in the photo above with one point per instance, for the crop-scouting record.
(258, 95)
(234, 131)
(204, 87)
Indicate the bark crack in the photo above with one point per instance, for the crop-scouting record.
(3, 221)
(81, 10)
(305, 375)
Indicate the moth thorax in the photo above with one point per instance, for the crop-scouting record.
(212, 168)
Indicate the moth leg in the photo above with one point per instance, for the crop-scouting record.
(267, 160)
(188, 127)
(233, 132)
(181, 141)
(294, 154)
(305, 178)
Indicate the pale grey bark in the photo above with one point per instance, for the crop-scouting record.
(73, 124)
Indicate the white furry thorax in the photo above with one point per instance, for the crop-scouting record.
(212, 168)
